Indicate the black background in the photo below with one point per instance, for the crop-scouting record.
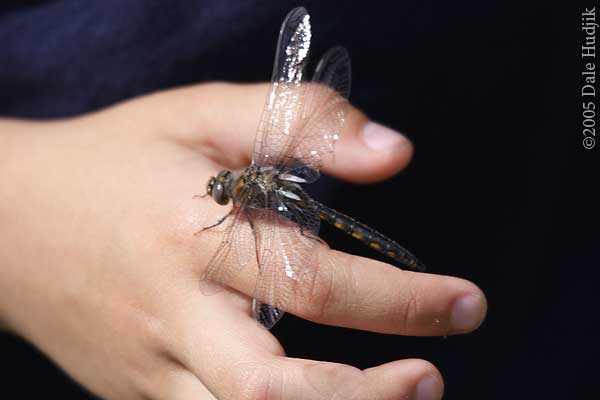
(500, 192)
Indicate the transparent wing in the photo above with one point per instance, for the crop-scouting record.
(301, 122)
(236, 250)
(279, 118)
(334, 71)
(287, 258)
(323, 116)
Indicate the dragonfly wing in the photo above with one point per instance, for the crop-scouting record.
(334, 71)
(287, 259)
(265, 314)
(302, 121)
(323, 113)
(279, 118)
(293, 47)
(236, 250)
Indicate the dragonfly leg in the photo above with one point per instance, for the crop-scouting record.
(311, 236)
(256, 250)
(219, 222)
(200, 196)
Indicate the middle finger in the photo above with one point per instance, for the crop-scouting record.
(361, 293)
(357, 292)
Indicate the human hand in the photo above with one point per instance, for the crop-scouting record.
(100, 266)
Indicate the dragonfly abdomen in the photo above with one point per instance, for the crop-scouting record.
(370, 237)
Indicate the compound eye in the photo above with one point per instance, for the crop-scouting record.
(218, 193)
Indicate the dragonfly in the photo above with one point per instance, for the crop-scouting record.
(273, 222)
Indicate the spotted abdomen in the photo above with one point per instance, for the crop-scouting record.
(370, 237)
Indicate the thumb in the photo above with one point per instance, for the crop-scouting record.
(222, 118)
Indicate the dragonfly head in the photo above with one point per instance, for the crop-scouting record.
(217, 187)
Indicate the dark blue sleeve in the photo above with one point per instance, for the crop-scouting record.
(61, 58)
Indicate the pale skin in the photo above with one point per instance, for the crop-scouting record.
(99, 265)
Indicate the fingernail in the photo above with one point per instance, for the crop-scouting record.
(382, 138)
(429, 388)
(467, 312)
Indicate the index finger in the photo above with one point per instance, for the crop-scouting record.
(224, 117)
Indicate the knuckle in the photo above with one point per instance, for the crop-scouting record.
(410, 311)
(336, 381)
(173, 227)
(153, 334)
(150, 341)
(252, 381)
(146, 394)
(323, 293)
(343, 374)
(355, 120)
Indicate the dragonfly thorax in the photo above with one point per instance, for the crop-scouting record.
(258, 186)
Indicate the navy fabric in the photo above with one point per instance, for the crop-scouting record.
(499, 192)
(62, 58)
